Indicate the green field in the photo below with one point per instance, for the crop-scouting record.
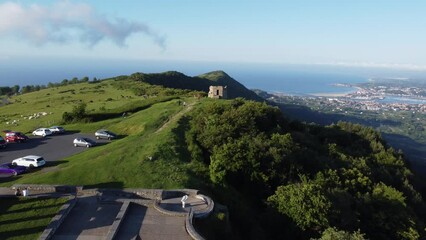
(142, 156)
(26, 218)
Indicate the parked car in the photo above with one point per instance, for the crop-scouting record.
(15, 137)
(3, 142)
(12, 169)
(42, 132)
(103, 133)
(84, 142)
(57, 129)
(29, 161)
(8, 172)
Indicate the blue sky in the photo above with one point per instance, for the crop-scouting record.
(378, 33)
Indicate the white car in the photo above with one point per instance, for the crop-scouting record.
(42, 132)
(29, 161)
(57, 129)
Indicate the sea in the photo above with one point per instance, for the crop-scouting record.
(291, 79)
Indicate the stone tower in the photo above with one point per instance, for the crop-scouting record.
(219, 92)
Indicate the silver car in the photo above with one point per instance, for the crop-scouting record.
(57, 129)
(103, 133)
(84, 142)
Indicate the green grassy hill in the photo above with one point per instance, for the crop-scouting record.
(202, 82)
(270, 172)
(144, 151)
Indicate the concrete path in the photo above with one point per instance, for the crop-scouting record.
(89, 219)
(92, 218)
(147, 223)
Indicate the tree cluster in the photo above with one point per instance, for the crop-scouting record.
(339, 180)
(9, 90)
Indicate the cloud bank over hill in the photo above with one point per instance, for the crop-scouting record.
(66, 22)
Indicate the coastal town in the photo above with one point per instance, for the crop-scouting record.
(383, 97)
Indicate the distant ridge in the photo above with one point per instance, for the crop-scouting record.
(174, 79)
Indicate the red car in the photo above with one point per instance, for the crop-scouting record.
(15, 137)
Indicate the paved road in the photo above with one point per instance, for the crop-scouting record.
(52, 148)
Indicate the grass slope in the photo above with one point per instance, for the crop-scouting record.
(26, 218)
(141, 157)
(99, 97)
(144, 158)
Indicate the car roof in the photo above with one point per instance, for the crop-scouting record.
(32, 156)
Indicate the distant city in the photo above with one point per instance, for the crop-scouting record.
(378, 95)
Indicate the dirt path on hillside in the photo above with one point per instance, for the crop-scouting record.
(178, 115)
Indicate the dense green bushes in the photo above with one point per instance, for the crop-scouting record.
(342, 178)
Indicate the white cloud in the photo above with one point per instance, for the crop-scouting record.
(66, 22)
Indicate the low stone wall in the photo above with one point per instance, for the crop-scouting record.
(167, 212)
(118, 220)
(58, 219)
(178, 193)
(143, 193)
(204, 212)
(190, 227)
(47, 188)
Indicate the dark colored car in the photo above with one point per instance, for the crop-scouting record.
(3, 142)
(9, 168)
(103, 133)
(15, 137)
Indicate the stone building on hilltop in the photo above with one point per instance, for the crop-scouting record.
(219, 92)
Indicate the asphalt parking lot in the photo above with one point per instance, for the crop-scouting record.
(52, 148)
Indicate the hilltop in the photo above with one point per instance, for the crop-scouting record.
(277, 178)
(173, 79)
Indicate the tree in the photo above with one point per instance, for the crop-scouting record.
(304, 203)
(78, 113)
(335, 234)
(15, 89)
(385, 214)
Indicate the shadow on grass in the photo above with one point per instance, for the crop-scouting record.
(103, 143)
(55, 163)
(21, 232)
(116, 185)
(121, 136)
(26, 219)
(9, 179)
(6, 203)
(47, 165)
(29, 209)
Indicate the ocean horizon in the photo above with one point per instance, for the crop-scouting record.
(289, 79)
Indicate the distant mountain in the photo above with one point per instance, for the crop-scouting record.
(173, 79)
